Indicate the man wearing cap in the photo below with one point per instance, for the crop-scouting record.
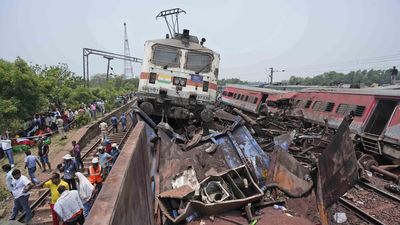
(95, 174)
(53, 184)
(114, 152)
(69, 170)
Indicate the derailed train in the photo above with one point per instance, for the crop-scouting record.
(179, 76)
(376, 124)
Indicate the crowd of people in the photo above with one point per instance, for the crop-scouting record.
(73, 194)
(59, 120)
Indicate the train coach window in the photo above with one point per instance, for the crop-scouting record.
(198, 62)
(247, 98)
(238, 96)
(234, 96)
(342, 109)
(152, 78)
(316, 105)
(230, 94)
(329, 107)
(224, 93)
(308, 104)
(166, 56)
(205, 86)
(255, 100)
(242, 97)
(359, 110)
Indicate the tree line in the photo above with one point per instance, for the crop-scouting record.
(27, 90)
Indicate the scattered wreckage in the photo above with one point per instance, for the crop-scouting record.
(228, 163)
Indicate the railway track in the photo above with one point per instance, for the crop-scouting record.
(40, 197)
(372, 204)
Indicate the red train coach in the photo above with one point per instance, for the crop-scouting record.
(376, 114)
(246, 98)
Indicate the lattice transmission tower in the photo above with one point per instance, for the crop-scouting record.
(128, 70)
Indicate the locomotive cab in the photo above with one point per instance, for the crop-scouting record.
(179, 76)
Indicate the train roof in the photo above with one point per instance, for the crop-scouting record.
(264, 90)
(393, 91)
(179, 44)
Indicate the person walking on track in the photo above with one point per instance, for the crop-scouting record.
(20, 187)
(53, 184)
(30, 164)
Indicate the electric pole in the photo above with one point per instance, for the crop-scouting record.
(109, 58)
(128, 70)
(271, 74)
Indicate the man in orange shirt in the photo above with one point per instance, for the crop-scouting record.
(53, 183)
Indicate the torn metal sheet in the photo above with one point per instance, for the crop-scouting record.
(282, 142)
(186, 178)
(239, 140)
(239, 189)
(223, 115)
(337, 169)
(289, 175)
(195, 140)
(178, 193)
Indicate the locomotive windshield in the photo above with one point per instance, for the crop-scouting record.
(166, 56)
(198, 61)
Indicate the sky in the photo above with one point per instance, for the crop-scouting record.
(301, 37)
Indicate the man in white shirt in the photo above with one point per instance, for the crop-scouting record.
(9, 178)
(7, 148)
(69, 207)
(103, 128)
(19, 188)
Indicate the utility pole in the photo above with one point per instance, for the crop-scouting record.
(109, 58)
(271, 73)
(128, 70)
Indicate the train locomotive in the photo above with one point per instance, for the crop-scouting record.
(179, 75)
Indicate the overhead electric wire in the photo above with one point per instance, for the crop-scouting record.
(340, 65)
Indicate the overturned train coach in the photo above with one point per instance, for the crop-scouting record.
(376, 124)
(179, 77)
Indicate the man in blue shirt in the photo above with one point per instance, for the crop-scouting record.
(30, 163)
(69, 168)
(122, 119)
(114, 122)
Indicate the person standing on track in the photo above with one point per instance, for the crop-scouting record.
(30, 164)
(122, 119)
(114, 122)
(76, 152)
(95, 174)
(105, 161)
(69, 170)
(69, 207)
(103, 128)
(53, 184)
(43, 152)
(20, 187)
(86, 193)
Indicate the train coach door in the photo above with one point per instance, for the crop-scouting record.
(380, 117)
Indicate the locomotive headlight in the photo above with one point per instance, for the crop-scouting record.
(179, 81)
(176, 80)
